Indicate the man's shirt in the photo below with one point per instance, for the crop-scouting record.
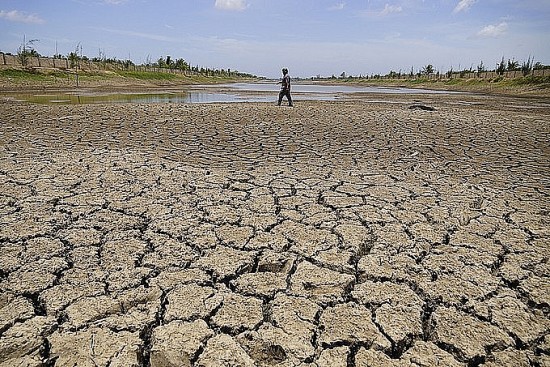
(285, 85)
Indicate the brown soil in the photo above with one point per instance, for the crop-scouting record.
(351, 233)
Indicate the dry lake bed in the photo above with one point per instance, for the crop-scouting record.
(354, 232)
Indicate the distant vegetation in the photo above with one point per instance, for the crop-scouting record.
(148, 70)
(56, 77)
(147, 75)
(16, 74)
(504, 68)
(28, 67)
(508, 76)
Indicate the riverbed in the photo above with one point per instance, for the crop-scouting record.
(355, 231)
(225, 93)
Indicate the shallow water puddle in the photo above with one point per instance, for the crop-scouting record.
(87, 98)
(238, 92)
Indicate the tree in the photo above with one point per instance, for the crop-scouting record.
(169, 62)
(481, 67)
(181, 64)
(428, 69)
(127, 64)
(526, 67)
(26, 50)
(393, 75)
(512, 65)
(161, 63)
(501, 67)
(539, 66)
(73, 59)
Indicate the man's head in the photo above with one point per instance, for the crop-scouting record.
(285, 71)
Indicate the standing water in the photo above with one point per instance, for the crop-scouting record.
(237, 92)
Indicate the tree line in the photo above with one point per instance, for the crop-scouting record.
(26, 50)
(503, 66)
(526, 68)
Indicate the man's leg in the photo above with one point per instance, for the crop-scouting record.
(289, 97)
(281, 94)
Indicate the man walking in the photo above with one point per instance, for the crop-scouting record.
(285, 88)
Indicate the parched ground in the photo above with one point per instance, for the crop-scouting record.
(347, 233)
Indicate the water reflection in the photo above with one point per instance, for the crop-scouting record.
(87, 98)
(238, 92)
(193, 96)
(329, 89)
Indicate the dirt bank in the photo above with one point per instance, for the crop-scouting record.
(351, 233)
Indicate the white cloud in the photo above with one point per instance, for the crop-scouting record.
(338, 6)
(493, 30)
(388, 9)
(21, 17)
(231, 4)
(115, 2)
(150, 36)
(464, 5)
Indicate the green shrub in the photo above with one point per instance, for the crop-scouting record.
(21, 74)
(147, 75)
(531, 80)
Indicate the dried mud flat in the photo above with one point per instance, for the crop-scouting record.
(349, 233)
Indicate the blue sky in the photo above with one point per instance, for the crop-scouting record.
(310, 37)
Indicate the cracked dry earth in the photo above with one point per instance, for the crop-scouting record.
(346, 233)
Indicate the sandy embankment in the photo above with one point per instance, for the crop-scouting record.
(333, 234)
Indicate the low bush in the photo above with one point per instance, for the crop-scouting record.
(21, 74)
(531, 80)
(147, 75)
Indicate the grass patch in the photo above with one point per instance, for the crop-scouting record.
(148, 75)
(452, 82)
(43, 75)
(529, 85)
(21, 75)
(530, 80)
(419, 81)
